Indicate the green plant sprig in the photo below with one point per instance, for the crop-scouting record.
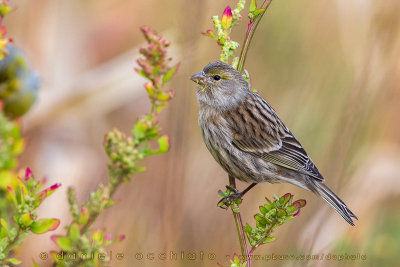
(26, 196)
(222, 31)
(272, 215)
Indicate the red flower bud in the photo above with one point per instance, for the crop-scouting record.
(226, 21)
(28, 174)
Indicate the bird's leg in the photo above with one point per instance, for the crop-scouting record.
(235, 196)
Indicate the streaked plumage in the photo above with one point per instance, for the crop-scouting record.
(247, 138)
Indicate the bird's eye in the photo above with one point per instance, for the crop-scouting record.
(217, 77)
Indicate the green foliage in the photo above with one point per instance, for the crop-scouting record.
(11, 143)
(272, 215)
(253, 11)
(26, 196)
(124, 153)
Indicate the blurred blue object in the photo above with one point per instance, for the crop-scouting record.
(19, 84)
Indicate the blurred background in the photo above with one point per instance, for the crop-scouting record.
(330, 69)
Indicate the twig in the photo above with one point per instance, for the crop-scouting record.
(239, 225)
(242, 58)
(249, 35)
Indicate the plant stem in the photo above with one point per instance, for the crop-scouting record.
(239, 226)
(112, 187)
(94, 216)
(11, 245)
(242, 58)
(249, 35)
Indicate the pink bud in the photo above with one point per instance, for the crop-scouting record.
(10, 188)
(226, 20)
(107, 237)
(28, 174)
(299, 204)
(55, 186)
(209, 33)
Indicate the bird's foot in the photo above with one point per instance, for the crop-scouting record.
(228, 200)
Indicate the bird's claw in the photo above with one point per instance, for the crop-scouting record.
(225, 202)
(232, 189)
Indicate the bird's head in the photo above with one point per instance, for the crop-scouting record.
(220, 85)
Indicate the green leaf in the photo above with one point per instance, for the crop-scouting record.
(253, 6)
(248, 228)
(260, 219)
(139, 169)
(162, 96)
(287, 218)
(74, 232)
(83, 215)
(258, 11)
(281, 213)
(267, 207)
(163, 142)
(292, 209)
(98, 236)
(18, 195)
(3, 229)
(285, 199)
(141, 72)
(45, 194)
(139, 130)
(263, 210)
(171, 72)
(13, 261)
(26, 219)
(269, 239)
(44, 225)
(63, 242)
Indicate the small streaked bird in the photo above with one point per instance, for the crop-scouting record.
(246, 137)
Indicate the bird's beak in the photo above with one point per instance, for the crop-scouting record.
(198, 78)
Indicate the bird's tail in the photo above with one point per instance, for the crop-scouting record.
(330, 197)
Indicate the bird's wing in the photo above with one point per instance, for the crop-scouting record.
(257, 129)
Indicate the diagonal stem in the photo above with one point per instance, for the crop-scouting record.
(239, 225)
(242, 58)
(249, 35)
